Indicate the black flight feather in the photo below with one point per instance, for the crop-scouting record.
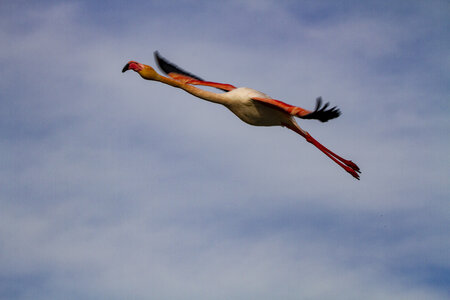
(320, 113)
(168, 67)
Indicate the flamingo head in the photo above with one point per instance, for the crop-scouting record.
(145, 71)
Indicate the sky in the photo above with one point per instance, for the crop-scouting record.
(112, 187)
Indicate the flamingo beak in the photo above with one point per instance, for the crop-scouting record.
(126, 68)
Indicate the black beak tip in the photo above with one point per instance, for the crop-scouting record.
(125, 68)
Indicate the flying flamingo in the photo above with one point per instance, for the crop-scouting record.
(249, 105)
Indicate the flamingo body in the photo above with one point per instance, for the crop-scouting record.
(253, 112)
(249, 105)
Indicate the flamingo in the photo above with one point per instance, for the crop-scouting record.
(249, 105)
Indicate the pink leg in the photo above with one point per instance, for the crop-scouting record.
(347, 165)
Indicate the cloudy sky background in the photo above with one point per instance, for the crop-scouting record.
(112, 187)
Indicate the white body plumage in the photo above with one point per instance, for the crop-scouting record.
(254, 112)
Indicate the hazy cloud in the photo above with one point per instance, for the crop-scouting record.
(112, 187)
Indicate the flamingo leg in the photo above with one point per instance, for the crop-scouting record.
(347, 165)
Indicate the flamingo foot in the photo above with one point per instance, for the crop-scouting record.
(352, 165)
(352, 172)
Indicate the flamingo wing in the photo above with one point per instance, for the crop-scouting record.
(320, 113)
(177, 73)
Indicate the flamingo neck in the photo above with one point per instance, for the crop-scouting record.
(205, 95)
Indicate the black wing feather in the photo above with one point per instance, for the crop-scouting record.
(321, 113)
(168, 67)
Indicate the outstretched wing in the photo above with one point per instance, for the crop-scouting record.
(320, 113)
(179, 74)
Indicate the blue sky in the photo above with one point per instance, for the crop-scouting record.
(113, 187)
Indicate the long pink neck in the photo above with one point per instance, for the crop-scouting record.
(205, 95)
